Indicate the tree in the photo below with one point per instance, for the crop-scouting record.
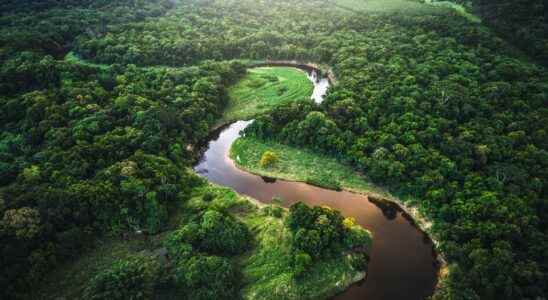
(23, 222)
(132, 278)
(207, 277)
(268, 159)
(223, 234)
(301, 263)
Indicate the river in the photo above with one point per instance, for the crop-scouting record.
(403, 262)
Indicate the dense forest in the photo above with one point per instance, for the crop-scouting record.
(104, 104)
(524, 23)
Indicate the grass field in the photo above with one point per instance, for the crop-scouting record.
(263, 88)
(407, 7)
(385, 6)
(299, 165)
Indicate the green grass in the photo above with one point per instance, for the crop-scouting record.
(385, 6)
(263, 88)
(299, 165)
(461, 10)
(407, 7)
(266, 268)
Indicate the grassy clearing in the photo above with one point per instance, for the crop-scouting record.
(461, 10)
(299, 165)
(385, 6)
(267, 270)
(407, 7)
(265, 87)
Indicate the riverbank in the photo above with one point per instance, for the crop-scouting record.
(267, 269)
(304, 165)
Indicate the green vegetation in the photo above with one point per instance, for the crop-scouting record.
(220, 248)
(207, 277)
(460, 9)
(298, 164)
(70, 279)
(132, 278)
(312, 280)
(385, 6)
(524, 23)
(264, 88)
(428, 103)
(268, 159)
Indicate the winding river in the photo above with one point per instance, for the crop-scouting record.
(403, 263)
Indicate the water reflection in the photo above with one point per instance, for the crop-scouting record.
(268, 179)
(389, 209)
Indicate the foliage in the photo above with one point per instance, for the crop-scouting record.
(215, 233)
(427, 103)
(24, 222)
(207, 277)
(523, 23)
(445, 132)
(302, 262)
(271, 264)
(268, 159)
(98, 150)
(321, 231)
(132, 278)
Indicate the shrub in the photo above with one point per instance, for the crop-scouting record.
(357, 238)
(207, 277)
(223, 234)
(359, 261)
(132, 278)
(273, 211)
(177, 246)
(268, 159)
(316, 231)
(300, 216)
(155, 213)
(216, 233)
(301, 263)
(309, 241)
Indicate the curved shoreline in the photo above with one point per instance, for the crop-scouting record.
(422, 223)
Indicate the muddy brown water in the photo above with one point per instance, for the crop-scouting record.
(403, 262)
